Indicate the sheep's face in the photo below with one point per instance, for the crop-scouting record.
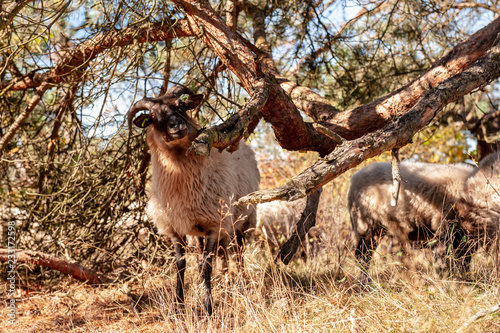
(168, 116)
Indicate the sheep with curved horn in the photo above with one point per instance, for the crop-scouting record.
(192, 195)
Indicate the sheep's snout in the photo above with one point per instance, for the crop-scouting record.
(176, 127)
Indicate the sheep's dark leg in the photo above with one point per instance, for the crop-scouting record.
(240, 241)
(223, 254)
(208, 254)
(363, 255)
(180, 260)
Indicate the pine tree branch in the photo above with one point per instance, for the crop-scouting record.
(395, 135)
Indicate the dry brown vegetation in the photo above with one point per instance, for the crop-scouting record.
(320, 294)
(316, 296)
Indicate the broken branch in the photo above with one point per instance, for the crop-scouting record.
(229, 133)
(46, 260)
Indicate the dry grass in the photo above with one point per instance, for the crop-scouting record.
(320, 295)
(315, 296)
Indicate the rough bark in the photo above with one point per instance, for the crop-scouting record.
(306, 222)
(394, 135)
(235, 52)
(376, 114)
(46, 260)
(250, 64)
(229, 133)
(228, 45)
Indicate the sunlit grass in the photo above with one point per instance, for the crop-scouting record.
(322, 294)
(313, 296)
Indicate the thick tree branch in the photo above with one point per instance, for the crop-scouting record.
(289, 128)
(229, 133)
(234, 51)
(369, 117)
(376, 114)
(227, 44)
(394, 135)
(307, 100)
(46, 260)
(237, 54)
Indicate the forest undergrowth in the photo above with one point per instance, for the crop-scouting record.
(322, 293)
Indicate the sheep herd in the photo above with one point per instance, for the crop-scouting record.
(193, 195)
(436, 201)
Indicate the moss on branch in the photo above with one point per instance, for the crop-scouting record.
(229, 133)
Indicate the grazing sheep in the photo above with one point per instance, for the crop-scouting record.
(479, 204)
(425, 207)
(277, 220)
(192, 195)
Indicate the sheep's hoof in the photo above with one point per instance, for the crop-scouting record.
(207, 306)
(179, 307)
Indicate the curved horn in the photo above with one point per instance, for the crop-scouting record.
(179, 91)
(143, 104)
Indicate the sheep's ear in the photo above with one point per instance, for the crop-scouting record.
(191, 101)
(144, 120)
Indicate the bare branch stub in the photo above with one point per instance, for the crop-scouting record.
(46, 260)
(396, 177)
(229, 133)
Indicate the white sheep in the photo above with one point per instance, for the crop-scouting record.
(192, 195)
(277, 220)
(479, 203)
(425, 207)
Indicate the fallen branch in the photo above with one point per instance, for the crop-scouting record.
(46, 260)
(477, 316)
(395, 135)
